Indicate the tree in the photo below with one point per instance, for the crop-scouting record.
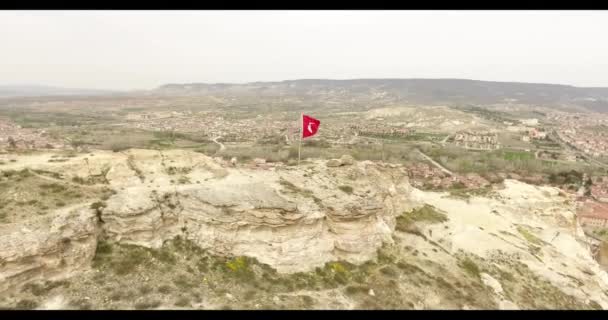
(77, 143)
(12, 143)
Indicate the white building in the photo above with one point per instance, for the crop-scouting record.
(530, 122)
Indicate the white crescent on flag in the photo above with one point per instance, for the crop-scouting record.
(310, 126)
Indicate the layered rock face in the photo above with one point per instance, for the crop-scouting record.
(296, 218)
(47, 248)
(292, 218)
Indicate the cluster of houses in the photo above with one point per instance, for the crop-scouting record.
(13, 136)
(586, 132)
(599, 189)
(593, 214)
(534, 134)
(477, 140)
(423, 175)
(212, 125)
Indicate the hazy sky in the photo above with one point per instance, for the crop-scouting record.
(144, 49)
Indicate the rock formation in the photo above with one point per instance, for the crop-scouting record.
(297, 218)
(48, 247)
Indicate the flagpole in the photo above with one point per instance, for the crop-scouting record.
(301, 133)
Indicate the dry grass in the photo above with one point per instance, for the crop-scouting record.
(426, 214)
(470, 267)
(529, 236)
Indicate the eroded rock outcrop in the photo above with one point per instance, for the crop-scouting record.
(50, 247)
(294, 219)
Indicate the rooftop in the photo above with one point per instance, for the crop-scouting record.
(593, 209)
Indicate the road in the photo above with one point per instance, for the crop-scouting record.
(435, 163)
(559, 139)
(222, 147)
(445, 139)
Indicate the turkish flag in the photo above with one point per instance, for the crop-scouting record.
(310, 126)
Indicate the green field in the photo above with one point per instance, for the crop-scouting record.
(517, 155)
(416, 136)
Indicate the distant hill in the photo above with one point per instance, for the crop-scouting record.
(10, 91)
(435, 91)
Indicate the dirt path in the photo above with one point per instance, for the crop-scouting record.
(45, 177)
(445, 139)
(222, 147)
(435, 163)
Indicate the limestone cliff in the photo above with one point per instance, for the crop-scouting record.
(490, 251)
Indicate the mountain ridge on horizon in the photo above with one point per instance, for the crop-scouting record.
(450, 91)
(379, 79)
(32, 90)
(415, 90)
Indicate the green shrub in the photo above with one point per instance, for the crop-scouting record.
(127, 260)
(178, 170)
(182, 302)
(117, 147)
(341, 278)
(308, 301)
(408, 268)
(426, 214)
(389, 271)
(346, 189)
(35, 288)
(357, 289)
(79, 180)
(145, 289)
(24, 173)
(337, 267)
(53, 187)
(470, 267)
(249, 294)
(182, 282)
(116, 296)
(26, 304)
(103, 248)
(506, 275)
(98, 205)
(81, 304)
(384, 256)
(164, 289)
(458, 185)
(594, 305)
(147, 304)
(237, 264)
(165, 256)
(529, 236)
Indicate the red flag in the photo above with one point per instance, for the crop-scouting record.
(310, 126)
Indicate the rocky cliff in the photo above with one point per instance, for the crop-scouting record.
(294, 219)
(517, 247)
(50, 247)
